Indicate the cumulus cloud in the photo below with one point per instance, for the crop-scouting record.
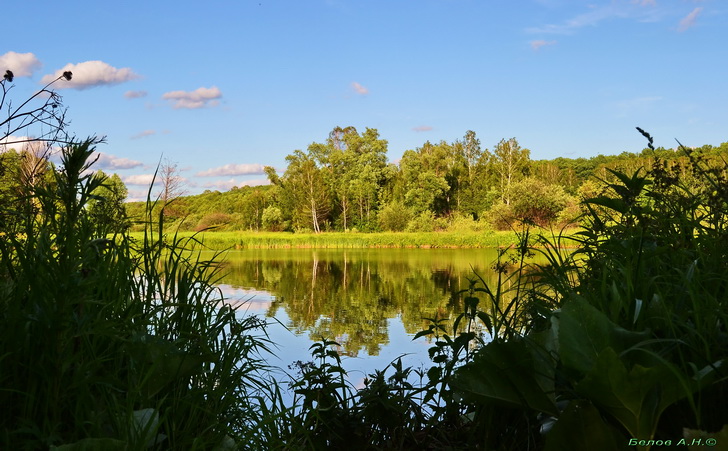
(144, 134)
(537, 44)
(224, 185)
(91, 73)
(422, 128)
(689, 20)
(22, 64)
(139, 179)
(136, 195)
(108, 161)
(13, 142)
(359, 88)
(199, 98)
(233, 169)
(135, 94)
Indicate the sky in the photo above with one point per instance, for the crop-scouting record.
(224, 88)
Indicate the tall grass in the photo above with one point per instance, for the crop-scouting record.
(336, 240)
(117, 343)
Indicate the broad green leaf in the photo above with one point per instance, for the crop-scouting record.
(581, 427)
(635, 397)
(584, 332)
(506, 372)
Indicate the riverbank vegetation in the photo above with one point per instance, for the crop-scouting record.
(110, 342)
(125, 343)
(345, 184)
(340, 240)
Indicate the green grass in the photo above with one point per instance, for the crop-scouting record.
(338, 240)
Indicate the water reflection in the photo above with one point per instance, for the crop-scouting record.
(356, 297)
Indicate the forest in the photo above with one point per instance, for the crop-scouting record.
(347, 184)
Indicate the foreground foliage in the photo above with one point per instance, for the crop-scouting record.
(110, 342)
(617, 345)
(115, 343)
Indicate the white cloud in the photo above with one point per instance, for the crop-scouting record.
(13, 142)
(21, 64)
(89, 74)
(135, 94)
(199, 98)
(225, 185)
(139, 179)
(689, 20)
(108, 161)
(136, 195)
(359, 88)
(422, 128)
(233, 169)
(143, 134)
(537, 44)
(616, 9)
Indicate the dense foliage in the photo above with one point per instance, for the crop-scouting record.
(109, 342)
(346, 184)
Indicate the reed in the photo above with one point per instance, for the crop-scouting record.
(336, 240)
(115, 342)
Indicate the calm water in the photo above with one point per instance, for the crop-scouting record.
(371, 301)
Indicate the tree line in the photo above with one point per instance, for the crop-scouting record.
(346, 183)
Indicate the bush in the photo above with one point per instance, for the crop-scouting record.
(537, 202)
(217, 220)
(463, 223)
(423, 222)
(500, 216)
(394, 217)
(272, 219)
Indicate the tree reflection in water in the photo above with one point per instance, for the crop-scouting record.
(351, 296)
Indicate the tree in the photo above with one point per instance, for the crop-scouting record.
(305, 182)
(510, 162)
(106, 208)
(471, 154)
(172, 186)
(425, 172)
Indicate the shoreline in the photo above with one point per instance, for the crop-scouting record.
(352, 240)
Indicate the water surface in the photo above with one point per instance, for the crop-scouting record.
(370, 301)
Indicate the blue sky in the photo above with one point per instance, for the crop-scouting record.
(224, 88)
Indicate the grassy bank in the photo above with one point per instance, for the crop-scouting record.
(336, 240)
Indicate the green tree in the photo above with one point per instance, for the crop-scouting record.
(425, 172)
(106, 209)
(272, 219)
(304, 181)
(511, 163)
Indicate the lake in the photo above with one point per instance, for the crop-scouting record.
(371, 301)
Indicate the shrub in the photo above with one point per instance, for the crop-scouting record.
(216, 220)
(272, 219)
(394, 217)
(500, 216)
